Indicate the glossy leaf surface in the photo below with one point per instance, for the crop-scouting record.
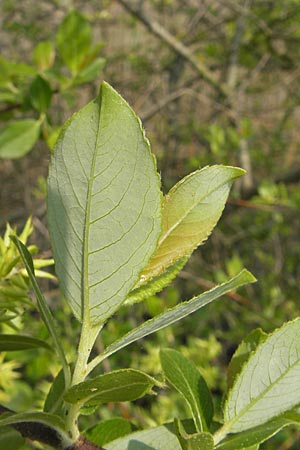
(117, 386)
(104, 206)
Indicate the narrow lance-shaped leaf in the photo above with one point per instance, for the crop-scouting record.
(190, 212)
(268, 384)
(184, 376)
(173, 315)
(117, 386)
(104, 206)
(257, 435)
(11, 342)
(42, 304)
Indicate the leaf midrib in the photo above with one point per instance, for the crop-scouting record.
(182, 218)
(86, 231)
(260, 396)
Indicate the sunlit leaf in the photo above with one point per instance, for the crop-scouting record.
(268, 384)
(117, 386)
(190, 212)
(103, 206)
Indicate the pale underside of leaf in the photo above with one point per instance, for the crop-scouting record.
(190, 212)
(103, 206)
(268, 384)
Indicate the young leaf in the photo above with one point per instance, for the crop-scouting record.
(174, 314)
(243, 352)
(268, 383)
(108, 430)
(43, 307)
(104, 206)
(156, 284)
(74, 39)
(11, 342)
(118, 386)
(190, 212)
(47, 428)
(18, 138)
(184, 376)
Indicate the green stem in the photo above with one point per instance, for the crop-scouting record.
(221, 434)
(88, 336)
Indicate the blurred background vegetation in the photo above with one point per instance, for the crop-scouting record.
(214, 82)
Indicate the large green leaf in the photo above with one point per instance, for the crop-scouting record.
(104, 206)
(118, 386)
(268, 384)
(18, 138)
(174, 314)
(184, 376)
(190, 212)
(11, 342)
